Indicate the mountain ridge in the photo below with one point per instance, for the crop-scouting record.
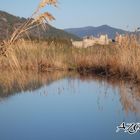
(96, 31)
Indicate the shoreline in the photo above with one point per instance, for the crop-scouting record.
(113, 61)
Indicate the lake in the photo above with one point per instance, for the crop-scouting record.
(63, 106)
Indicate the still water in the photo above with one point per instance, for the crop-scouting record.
(66, 107)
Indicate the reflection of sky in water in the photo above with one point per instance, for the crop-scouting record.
(66, 110)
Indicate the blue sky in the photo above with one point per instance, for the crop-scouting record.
(123, 14)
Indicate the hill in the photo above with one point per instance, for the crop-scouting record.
(9, 22)
(95, 31)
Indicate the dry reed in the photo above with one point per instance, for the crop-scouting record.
(37, 19)
(120, 61)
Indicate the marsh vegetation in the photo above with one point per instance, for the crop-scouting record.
(109, 60)
(113, 60)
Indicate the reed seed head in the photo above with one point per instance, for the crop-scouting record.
(43, 3)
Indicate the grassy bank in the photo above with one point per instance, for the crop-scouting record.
(112, 60)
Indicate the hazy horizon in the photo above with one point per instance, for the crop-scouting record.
(74, 14)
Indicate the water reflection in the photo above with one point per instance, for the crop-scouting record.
(15, 82)
(129, 92)
(12, 82)
(61, 105)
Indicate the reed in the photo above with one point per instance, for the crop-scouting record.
(35, 20)
(118, 61)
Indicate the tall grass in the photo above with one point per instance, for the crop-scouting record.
(35, 20)
(112, 60)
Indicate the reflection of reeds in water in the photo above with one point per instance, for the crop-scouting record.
(130, 97)
(14, 82)
(128, 91)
